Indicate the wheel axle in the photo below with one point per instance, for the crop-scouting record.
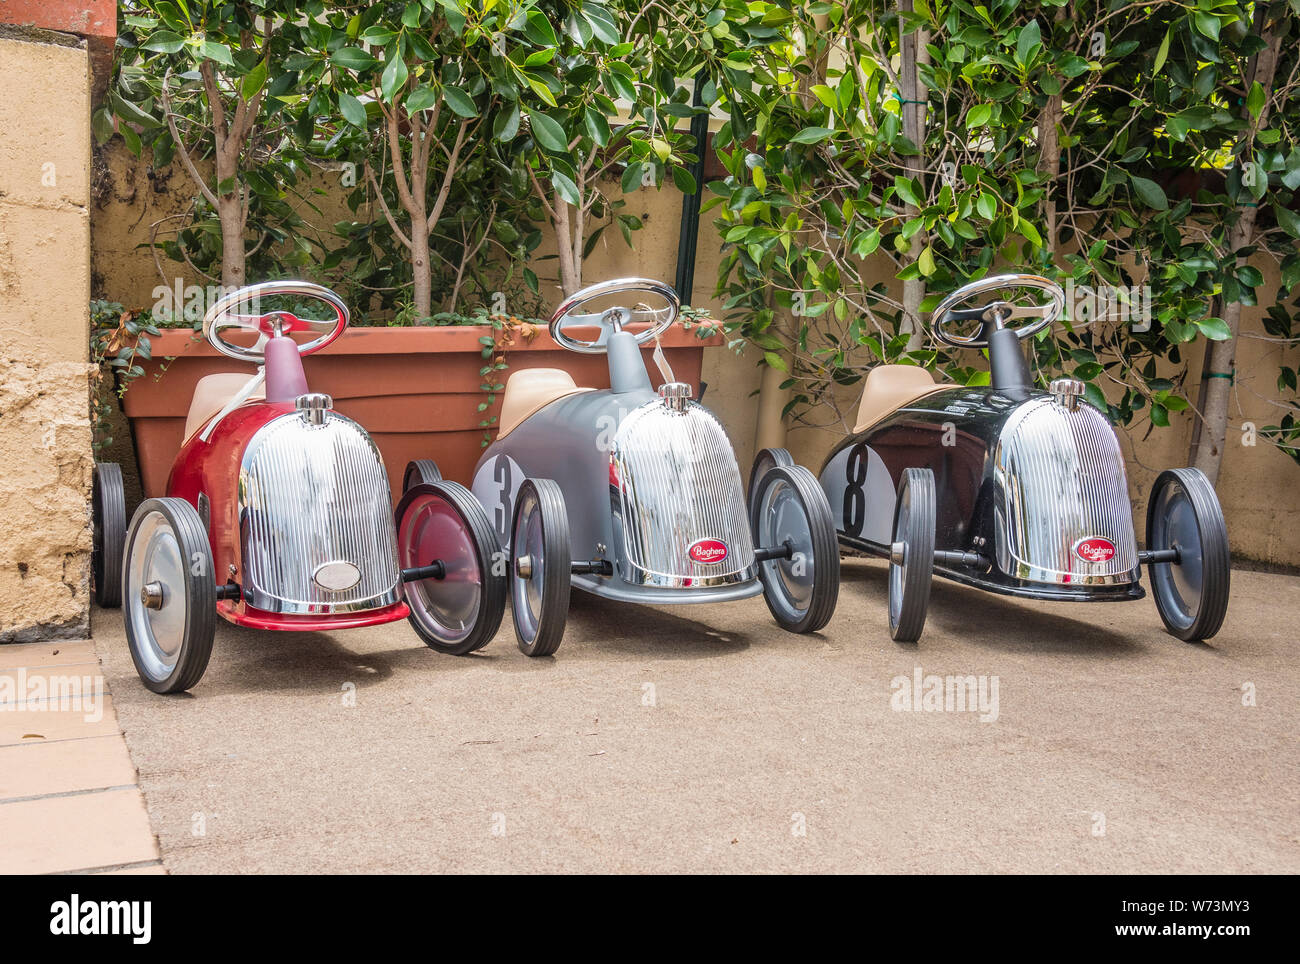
(435, 570)
(784, 551)
(151, 595)
(1158, 555)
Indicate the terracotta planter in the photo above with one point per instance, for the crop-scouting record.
(416, 390)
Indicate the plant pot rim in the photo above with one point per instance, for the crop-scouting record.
(177, 342)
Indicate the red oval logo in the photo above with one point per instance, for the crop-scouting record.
(708, 551)
(1095, 549)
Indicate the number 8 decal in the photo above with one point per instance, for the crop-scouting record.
(855, 499)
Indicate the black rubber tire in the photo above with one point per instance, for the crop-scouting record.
(909, 583)
(197, 585)
(1215, 557)
(825, 551)
(418, 471)
(557, 573)
(764, 460)
(108, 519)
(493, 582)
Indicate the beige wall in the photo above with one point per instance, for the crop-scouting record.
(45, 457)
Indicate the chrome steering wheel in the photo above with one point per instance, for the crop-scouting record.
(996, 314)
(614, 318)
(221, 318)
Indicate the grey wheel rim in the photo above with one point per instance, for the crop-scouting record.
(784, 518)
(1183, 583)
(448, 607)
(898, 571)
(526, 591)
(158, 633)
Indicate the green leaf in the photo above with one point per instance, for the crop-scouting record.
(1031, 36)
(811, 135)
(632, 177)
(352, 58)
(1159, 415)
(926, 261)
(352, 110)
(506, 124)
(394, 77)
(1255, 99)
(218, 52)
(1162, 54)
(1207, 24)
(549, 134)
(602, 23)
(422, 98)
(987, 206)
(978, 115)
(459, 101)
(1215, 329)
(101, 122)
(1149, 192)
(1288, 220)
(775, 361)
(164, 42)
(596, 124)
(565, 187)
(684, 180)
(253, 81)
(539, 30)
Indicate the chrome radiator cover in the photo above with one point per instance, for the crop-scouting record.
(1062, 486)
(311, 495)
(676, 486)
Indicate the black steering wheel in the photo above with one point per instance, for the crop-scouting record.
(614, 318)
(996, 314)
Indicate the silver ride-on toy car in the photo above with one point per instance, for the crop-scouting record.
(635, 495)
(1016, 490)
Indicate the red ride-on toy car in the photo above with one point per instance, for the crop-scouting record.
(278, 513)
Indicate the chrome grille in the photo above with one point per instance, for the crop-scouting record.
(678, 483)
(1061, 479)
(309, 495)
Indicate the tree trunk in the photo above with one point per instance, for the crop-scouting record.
(421, 271)
(570, 273)
(912, 54)
(1221, 356)
(231, 213)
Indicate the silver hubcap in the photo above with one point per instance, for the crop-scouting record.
(155, 593)
(1176, 528)
(782, 519)
(530, 569)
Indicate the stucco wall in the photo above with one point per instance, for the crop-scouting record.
(45, 454)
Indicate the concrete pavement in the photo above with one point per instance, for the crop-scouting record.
(704, 739)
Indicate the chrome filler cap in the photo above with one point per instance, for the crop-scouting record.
(1066, 392)
(313, 406)
(675, 395)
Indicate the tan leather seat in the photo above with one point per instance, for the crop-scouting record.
(890, 387)
(211, 395)
(530, 391)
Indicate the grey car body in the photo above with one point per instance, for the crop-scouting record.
(577, 439)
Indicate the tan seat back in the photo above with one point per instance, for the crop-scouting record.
(211, 395)
(890, 387)
(531, 390)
